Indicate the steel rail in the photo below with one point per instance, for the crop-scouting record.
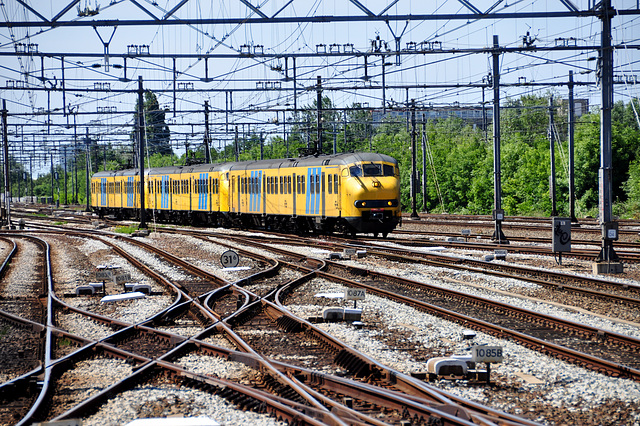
(7, 260)
(611, 368)
(265, 363)
(406, 383)
(348, 357)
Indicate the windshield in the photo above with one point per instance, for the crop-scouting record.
(355, 171)
(372, 169)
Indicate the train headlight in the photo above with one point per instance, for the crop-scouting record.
(390, 203)
(376, 184)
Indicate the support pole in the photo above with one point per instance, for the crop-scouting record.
(607, 261)
(87, 158)
(66, 194)
(344, 126)
(552, 157)
(335, 139)
(424, 162)
(498, 213)
(261, 146)
(7, 177)
(31, 178)
(572, 184)
(235, 144)
(75, 161)
(318, 150)
(414, 179)
(207, 147)
(52, 194)
(175, 76)
(384, 90)
(295, 86)
(143, 222)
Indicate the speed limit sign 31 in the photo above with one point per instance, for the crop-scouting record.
(229, 259)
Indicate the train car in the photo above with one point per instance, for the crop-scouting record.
(347, 193)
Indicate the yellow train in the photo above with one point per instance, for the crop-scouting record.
(346, 193)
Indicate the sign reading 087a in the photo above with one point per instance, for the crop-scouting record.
(229, 259)
(355, 294)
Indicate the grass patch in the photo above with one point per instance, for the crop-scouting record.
(126, 229)
(62, 222)
(63, 342)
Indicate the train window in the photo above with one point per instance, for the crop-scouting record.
(275, 185)
(372, 169)
(304, 185)
(268, 185)
(329, 184)
(311, 185)
(355, 171)
(298, 183)
(281, 184)
(335, 184)
(388, 170)
(317, 184)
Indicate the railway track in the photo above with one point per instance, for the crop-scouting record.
(542, 333)
(181, 326)
(144, 345)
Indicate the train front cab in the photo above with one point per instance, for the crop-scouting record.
(371, 196)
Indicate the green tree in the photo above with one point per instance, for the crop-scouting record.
(157, 134)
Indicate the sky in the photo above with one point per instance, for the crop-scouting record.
(233, 79)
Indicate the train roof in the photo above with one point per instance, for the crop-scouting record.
(310, 161)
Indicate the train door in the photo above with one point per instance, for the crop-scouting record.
(255, 190)
(233, 197)
(330, 191)
(103, 192)
(133, 199)
(313, 204)
(293, 191)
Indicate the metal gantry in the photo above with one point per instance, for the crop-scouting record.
(292, 72)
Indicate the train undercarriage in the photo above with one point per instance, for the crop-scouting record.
(377, 223)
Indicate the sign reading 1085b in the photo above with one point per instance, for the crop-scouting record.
(487, 354)
(229, 259)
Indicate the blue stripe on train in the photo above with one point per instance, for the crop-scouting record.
(103, 192)
(203, 196)
(164, 192)
(313, 197)
(255, 191)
